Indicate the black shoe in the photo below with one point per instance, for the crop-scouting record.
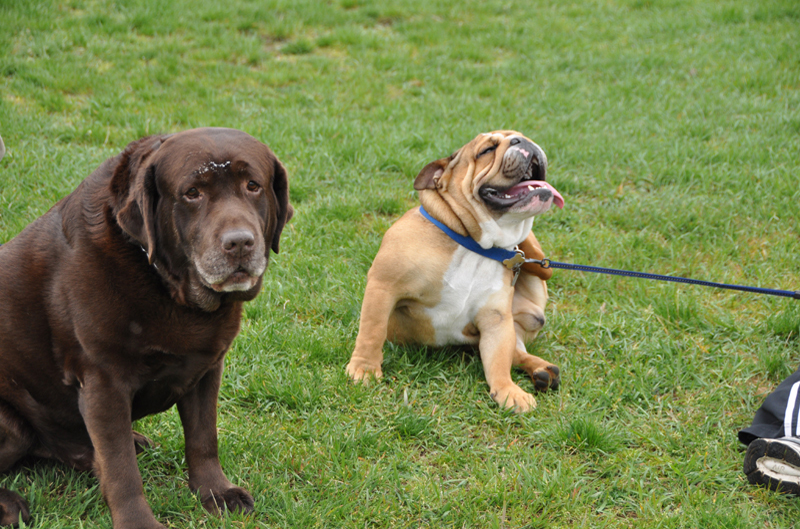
(774, 463)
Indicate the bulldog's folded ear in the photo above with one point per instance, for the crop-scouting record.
(280, 186)
(428, 178)
(134, 187)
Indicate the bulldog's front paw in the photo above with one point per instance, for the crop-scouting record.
(513, 397)
(362, 371)
(235, 499)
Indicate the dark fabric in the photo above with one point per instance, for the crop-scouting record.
(769, 421)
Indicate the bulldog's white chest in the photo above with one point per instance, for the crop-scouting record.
(469, 283)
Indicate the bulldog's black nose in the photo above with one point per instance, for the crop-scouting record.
(530, 158)
(238, 242)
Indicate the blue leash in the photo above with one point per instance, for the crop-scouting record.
(512, 262)
(547, 263)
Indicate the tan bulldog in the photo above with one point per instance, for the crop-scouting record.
(426, 288)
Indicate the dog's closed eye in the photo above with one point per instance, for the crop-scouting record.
(487, 150)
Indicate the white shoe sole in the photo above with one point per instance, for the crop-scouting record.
(775, 464)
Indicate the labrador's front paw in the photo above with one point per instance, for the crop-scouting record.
(235, 499)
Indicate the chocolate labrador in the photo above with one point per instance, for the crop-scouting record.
(122, 300)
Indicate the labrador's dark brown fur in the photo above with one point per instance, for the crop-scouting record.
(121, 302)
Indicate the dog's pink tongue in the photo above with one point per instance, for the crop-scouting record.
(558, 200)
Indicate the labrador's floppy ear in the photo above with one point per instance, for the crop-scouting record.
(428, 178)
(134, 187)
(280, 186)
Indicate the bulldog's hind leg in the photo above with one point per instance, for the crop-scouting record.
(16, 441)
(543, 374)
(530, 297)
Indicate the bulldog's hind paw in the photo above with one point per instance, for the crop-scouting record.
(361, 372)
(514, 398)
(543, 374)
(546, 378)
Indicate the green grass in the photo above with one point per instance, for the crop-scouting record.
(673, 131)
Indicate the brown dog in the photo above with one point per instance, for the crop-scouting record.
(424, 287)
(122, 300)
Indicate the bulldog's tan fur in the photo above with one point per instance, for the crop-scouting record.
(425, 288)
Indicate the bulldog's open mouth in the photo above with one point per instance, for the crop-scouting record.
(521, 195)
(531, 189)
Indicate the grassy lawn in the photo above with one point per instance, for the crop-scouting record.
(673, 132)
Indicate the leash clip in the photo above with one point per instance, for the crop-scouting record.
(544, 263)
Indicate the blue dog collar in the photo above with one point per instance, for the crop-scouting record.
(509, 258)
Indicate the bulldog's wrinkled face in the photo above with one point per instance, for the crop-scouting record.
(501, 173)
(213, 203)
(510, 172)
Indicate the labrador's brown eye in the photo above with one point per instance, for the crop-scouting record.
(253, 186)
(192, 193)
